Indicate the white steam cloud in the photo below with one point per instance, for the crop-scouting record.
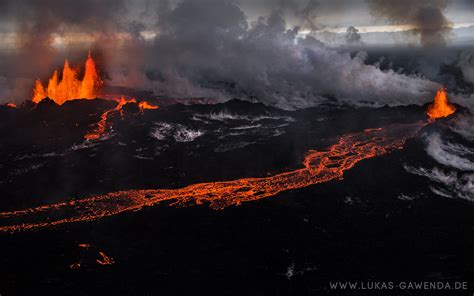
(448, 183)
(450, 154)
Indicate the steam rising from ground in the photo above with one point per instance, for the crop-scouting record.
(450, 154)
(452, 174)
(451, 184)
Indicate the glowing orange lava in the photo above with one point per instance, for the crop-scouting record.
(100, 129)
(440, 107)
(143, 105)
(105, 260)
(319, 167)
(69, 87)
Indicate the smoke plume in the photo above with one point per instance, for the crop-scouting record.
(425, 15)
(352, 35)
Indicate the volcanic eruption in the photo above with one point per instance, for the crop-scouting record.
(241, 147)
(69, 87)
(440, 107)
(319, 166)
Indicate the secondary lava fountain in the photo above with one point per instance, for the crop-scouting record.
(440, 107)
(319, 167)
(69, 87)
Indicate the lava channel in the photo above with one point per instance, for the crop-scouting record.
(101, 128)
(319, 167)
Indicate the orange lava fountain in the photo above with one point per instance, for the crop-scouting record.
(69, 87)
(440, 107)
(319, 167)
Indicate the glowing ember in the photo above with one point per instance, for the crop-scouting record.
(11, 105)
(105, 260)
(69, 87)
(76, 265)
(440, 107)
(145, 105)
(319, 167)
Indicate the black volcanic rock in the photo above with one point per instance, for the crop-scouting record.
(379, 222)
(162, 147)
(131, 108)
(46, 105)
(87, 106)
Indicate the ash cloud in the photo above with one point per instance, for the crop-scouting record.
(426, 15)
(228, 57)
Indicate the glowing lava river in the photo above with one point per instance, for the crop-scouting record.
(319, 167)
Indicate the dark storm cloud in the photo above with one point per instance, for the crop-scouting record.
(426, 15)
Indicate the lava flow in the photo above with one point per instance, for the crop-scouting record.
(319, 167)
(440, 107)
(69, 87)
(100, 130)
(144, 105)
(105, 260)
(101, 127)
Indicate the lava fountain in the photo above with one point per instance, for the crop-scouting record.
(69, 87)
(440, 107)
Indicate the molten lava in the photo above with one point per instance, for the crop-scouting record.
(319, 167)
(143, 105)
(105, 260)
(100, 129)
(440, 107)
(69, 87)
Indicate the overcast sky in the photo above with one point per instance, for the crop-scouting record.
(343, 13)
(326, 14)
